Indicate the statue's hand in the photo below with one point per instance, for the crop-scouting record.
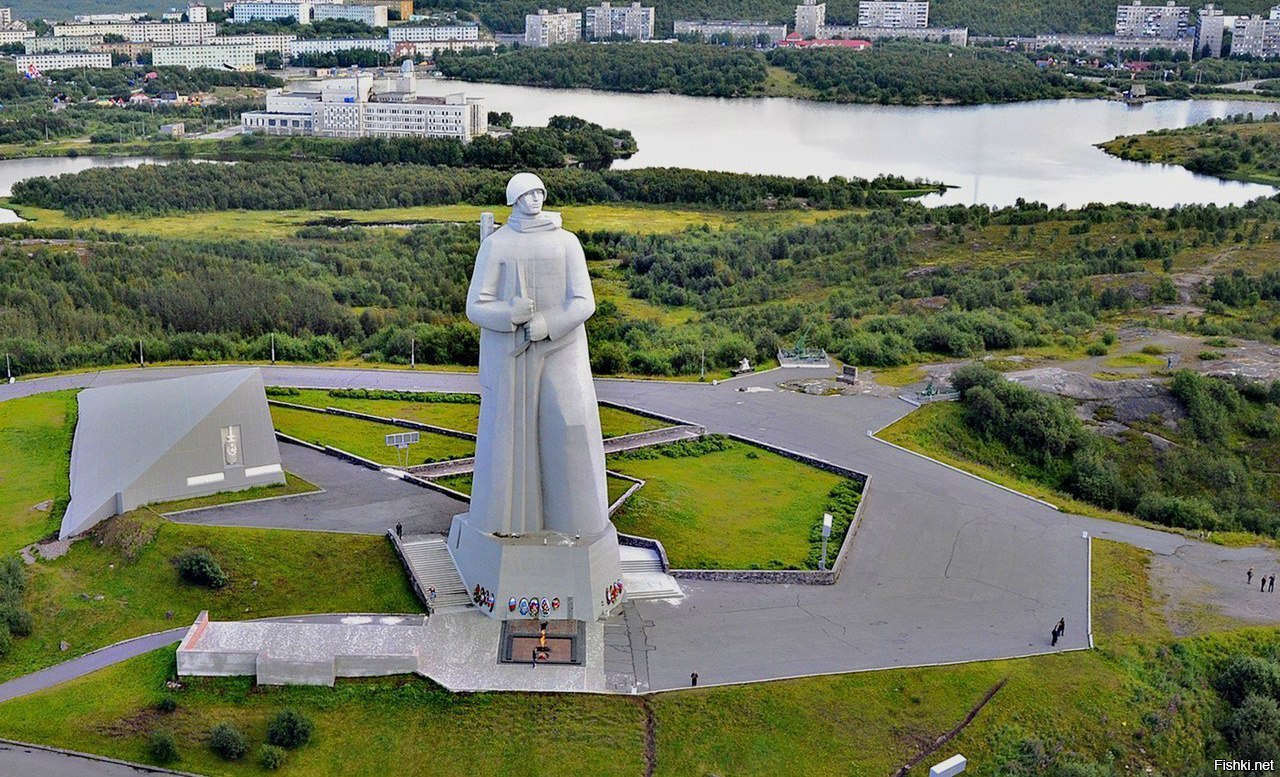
(537, 328)
(521, 310)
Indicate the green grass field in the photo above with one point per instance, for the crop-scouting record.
(292, 486)
(365, 438)
(739, 508)
(129, 562)
(35, 441)
(459, 417)
(277, 224)
(1134, 703)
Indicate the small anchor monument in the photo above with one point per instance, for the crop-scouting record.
(537, 536)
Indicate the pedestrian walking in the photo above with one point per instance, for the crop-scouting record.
(693, 679)
(534, 658)
(399, 530)
(1062, 626)
(1263, 587)
(1271, 584)
(431, 594)
(1250, 576)
(1054, 641)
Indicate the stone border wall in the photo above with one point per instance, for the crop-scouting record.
(634, 541)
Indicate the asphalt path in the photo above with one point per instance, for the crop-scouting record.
(944, 568)
(355, 499)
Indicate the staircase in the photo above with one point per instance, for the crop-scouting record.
(644, 577)
(430, 565)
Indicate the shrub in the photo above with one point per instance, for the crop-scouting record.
(200, 567)
(17, 619)
(167, 704)
(1096, 349)
(271, 757)
(1244, 675)
(227, 741)
(1186, 512)
(162, 747)
(289, 729)
(1256, 721)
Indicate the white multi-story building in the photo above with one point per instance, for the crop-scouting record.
(1255, 36)
(6, 17)
(1152, 21)
(73, 60)
(171, 33)
(259, 44)
(16, 36)
(550, 29)
(108, 18)
(1209, 30)
(739, 30)
(198, 13)
(811, 17)
(956, 36)
(333, 46)
(1101, 44)
(251, 10)
(353, 108)
(60, 45)
(219, 57)
(423, 33)
(912, 14)
(605, 21)
(370, 15)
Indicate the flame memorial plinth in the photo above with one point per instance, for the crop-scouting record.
(537, 540)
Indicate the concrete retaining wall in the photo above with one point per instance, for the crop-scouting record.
(633, 541)
(270, 671)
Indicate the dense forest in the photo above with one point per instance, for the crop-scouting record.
(685, 69)
(185, 187)
(893, 72)
(911, 73)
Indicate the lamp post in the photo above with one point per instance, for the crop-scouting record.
(826, 534)
(273, 347)
(8, 371)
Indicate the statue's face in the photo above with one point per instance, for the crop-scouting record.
(530, 203)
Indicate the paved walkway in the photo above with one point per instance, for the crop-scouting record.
(945, 567)
(355, 499)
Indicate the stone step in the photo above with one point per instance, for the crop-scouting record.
(431, 566)
(642, 566)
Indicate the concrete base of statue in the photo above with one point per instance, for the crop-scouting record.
(576, 572)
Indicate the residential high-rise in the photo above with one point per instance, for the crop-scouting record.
(251, 10)
(369, 15)
(197, 12)
(811, 16)
(1256, 36)
(605, 21)
(1209, 31)
(1152, 21)
(912, 14)
(550, 29)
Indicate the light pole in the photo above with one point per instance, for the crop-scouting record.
(8, 371)
(826, 533)
(413, 352)
(142, 362)
(273, 347)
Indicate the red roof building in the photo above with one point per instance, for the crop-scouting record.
(795, 41)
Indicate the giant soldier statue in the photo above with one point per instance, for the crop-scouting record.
(538, 526)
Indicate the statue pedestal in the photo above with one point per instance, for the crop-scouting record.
(546, 565)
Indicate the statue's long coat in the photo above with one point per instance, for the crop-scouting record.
(539, 456)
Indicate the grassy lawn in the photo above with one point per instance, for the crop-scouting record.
(365, 438)
(738, 508)
(938, 431)
(128, 562)
(285, 223)
(450, 415)
(1135, 359)
(35, 441)
(1133, 702)
(291, 486)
